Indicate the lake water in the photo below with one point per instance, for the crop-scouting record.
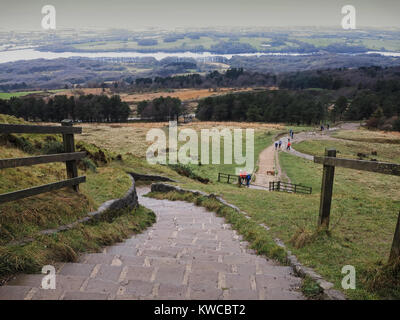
(31, 54)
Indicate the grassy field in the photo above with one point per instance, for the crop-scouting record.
(382, 146)
(364, 212)
(9, 95)
(365, 135)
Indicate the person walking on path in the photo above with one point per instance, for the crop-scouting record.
(289, 144)
(280, 144)
(248, 179)
(276, 145)
(242, 176)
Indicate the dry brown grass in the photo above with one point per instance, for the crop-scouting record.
(131, 137)
(197, 125)
(85, 91)
(183, 94)
(370, 136)
(119, 138)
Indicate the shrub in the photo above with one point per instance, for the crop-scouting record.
(87, 164)
(53, 146)
(186, 171)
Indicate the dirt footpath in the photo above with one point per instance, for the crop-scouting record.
(266, 164)
(268, 159)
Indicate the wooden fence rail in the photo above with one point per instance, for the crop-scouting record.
(228, 177)
(289, 187)
(330, 162)
(30, 161)
(70, 157)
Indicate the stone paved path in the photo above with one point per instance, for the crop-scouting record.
(189, 253)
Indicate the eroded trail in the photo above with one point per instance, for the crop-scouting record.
(266, 166)
(189, 253)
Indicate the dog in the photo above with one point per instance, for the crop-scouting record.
(272, 173)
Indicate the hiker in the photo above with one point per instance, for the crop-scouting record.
(328, 126)
(280, 143)
(276, 145)
(292, 135)
(322, 128)
(288, 145)
(248, 179)
(242, 176)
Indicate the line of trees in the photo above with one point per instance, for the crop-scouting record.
(161, 109)
(87, 108)
(234, 77)
(379, 107)
(270, 106)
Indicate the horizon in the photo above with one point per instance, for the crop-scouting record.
(175, 14)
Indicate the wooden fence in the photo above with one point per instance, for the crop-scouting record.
(69, 156)
(235, 178)
(330, 162)
(289, 187)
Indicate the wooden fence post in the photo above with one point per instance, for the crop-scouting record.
(279, 186)
(326, 191)
(69, 146)
(395, 251)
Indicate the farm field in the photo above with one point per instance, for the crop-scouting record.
(260, 44)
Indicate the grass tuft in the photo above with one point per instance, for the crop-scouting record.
(66, 246)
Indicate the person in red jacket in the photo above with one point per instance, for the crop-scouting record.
(242, 177)
(289, 144)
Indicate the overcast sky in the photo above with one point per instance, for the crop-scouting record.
(131, 14)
